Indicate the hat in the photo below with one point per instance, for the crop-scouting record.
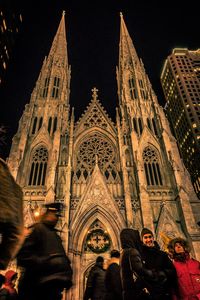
(184, 243)
(146, 231)
(56, 207)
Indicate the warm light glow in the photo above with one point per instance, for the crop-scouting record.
(36, 213)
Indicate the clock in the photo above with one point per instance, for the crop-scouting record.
(98, 241)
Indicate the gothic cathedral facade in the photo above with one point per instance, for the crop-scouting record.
(108, 175)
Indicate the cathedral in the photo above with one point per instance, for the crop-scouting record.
(108, 175)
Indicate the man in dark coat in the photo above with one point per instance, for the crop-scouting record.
(46, 269)
(158, 261)
(135, 277)
(112, 279)
(95, 287)
(11, 216)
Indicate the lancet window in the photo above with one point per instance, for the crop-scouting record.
(154, 126)
(56, 85)
(152, 167)
(142, 90)
(40, 123)
(46, 87)
(34, 125)
(38, 167)
(137, 124)
(132, 88)
(52, 125)
(37, 124)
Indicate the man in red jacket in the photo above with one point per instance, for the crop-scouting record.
(187, 268)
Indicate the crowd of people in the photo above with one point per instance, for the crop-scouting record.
(140, 271)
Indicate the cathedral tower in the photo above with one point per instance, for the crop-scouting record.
(164, 195)
(109, 176)
(36, 146)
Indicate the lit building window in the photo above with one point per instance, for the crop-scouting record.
(4, 24)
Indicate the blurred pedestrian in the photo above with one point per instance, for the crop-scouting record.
(135, 277)
(158, 261)
(187, 268)
(11, 216)
(9, 285)
(46, 269)
(113, 283)
(95, 287)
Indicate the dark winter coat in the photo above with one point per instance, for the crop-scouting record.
(11, 216)
(95, 287)
(45, 264)
(4, 294)
(113, 281)
(158, 261)
(135, 277)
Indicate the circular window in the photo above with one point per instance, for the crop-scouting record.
(98, 241)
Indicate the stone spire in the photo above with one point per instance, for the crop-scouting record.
(127, 52)
(59, 46)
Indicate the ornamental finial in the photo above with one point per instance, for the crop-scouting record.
(94, 93)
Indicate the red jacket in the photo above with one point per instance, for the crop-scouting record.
(188, 273)
(9, 285)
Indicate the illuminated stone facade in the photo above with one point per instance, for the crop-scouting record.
(108, 175)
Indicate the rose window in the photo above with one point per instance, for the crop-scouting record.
(95, 149)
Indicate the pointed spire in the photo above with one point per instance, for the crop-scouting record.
(127, 49)
(59, 45)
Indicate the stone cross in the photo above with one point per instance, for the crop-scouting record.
(94, 93)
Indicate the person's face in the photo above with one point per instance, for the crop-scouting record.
(148, 240)
(52, 217)
(179, 248)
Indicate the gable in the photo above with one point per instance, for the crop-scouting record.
(95, 116)
(97, 198)
(167, 227)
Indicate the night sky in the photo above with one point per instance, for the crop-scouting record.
(93, 45)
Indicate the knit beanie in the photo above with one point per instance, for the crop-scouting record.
(145, 231)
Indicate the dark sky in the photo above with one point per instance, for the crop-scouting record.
(93, 44)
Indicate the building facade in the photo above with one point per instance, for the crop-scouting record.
(108, 175)
(180, 80)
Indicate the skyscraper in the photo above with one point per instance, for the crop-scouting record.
(180, 80)
(109, 175)
(10, 23)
